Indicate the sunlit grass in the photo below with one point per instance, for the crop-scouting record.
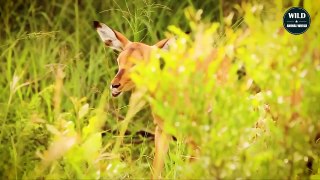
(58, 119)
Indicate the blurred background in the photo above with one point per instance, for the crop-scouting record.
(58, 119)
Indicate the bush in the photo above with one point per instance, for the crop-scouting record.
(262, 125)
(241, 87)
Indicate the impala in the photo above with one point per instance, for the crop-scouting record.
(129, 53)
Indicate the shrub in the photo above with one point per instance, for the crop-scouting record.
(265, 124)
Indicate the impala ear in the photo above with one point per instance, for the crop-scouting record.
(110, 37)
(165, 43)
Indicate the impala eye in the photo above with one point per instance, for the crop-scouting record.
(162, 63)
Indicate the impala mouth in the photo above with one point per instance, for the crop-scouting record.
(115, 92)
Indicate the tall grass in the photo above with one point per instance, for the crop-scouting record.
(55, 71)
(58, 119)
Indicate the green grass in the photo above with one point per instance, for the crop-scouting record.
(53, 63)
(55, 100)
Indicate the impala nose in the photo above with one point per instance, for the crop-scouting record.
(115, 85)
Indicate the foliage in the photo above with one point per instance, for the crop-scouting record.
(58, 119)
(242, 130)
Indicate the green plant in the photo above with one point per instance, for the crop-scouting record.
(259, 126)
(58, 120)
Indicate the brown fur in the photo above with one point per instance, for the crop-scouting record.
(132, 52)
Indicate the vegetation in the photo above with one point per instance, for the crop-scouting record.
(239, 84)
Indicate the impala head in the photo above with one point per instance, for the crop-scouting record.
(130, 52)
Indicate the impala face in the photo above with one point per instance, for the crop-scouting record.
(126, 60)
(130, 53)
